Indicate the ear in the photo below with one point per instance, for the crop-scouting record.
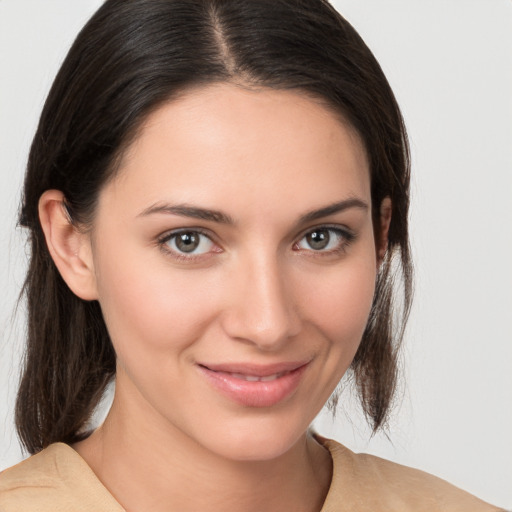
(383, 229)
(69, 247)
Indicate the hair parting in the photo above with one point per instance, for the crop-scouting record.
(130, 58)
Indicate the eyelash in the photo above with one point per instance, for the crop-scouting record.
(164, 240)
(346, 236)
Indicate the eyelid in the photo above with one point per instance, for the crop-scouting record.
(344, 232)
(186, 229)
(164, 238)
(341, 228)
(347, 234)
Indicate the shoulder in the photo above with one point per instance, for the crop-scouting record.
(364, 482)
(56, 479)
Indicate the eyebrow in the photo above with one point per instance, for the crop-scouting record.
(185, 210)
(333, 208)
(195, 212)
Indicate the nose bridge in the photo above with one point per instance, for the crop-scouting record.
(262, 311)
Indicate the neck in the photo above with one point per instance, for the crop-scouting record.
(150, 468)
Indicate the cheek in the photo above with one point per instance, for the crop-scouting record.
(150, 311)
(339, 303)
(154, 313)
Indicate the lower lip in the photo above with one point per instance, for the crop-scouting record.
(255, 394)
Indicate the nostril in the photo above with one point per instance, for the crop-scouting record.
(261, 310)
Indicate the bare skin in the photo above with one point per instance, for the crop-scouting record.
(195, 480)
(282, 276)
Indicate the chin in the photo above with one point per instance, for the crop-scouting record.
(256, 440)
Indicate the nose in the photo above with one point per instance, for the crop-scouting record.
(262, 309)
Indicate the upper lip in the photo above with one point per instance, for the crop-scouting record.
(256, 370)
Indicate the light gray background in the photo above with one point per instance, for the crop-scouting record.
(450, 64)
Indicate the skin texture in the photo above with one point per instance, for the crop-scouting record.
(253, 292)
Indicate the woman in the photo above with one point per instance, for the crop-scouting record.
(217, 197)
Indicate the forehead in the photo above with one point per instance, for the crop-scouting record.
(239, 147)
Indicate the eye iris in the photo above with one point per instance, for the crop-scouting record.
(318, 239)
(187, 242)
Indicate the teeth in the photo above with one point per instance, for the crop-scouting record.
(255, 378)
(269, 377)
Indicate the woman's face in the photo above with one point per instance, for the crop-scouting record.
(235, 263)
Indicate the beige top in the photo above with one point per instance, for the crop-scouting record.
(58, 479)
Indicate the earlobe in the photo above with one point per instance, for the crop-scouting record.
(69, 248)
(383, 234)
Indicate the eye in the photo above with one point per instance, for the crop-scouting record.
(187, 243)
(325, 239)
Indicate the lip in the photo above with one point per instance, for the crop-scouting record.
(278, 381)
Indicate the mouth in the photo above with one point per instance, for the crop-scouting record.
(255, 386)
(255, 378)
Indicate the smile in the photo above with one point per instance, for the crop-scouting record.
(256, 378)
(253, 386)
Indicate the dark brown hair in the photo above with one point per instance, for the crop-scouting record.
(132, 56)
